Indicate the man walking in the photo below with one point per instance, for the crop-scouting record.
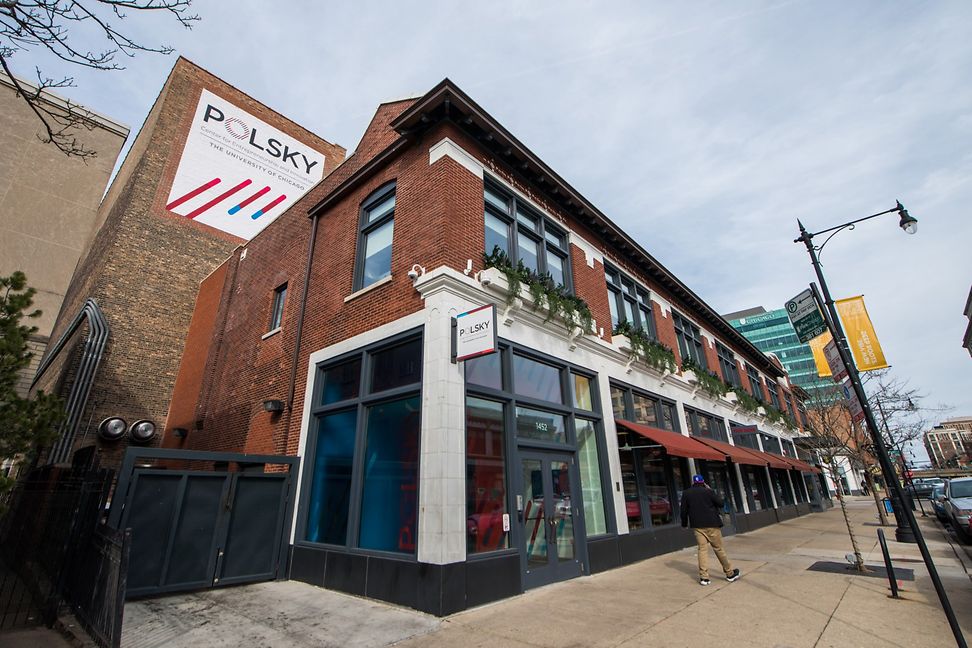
(701, 509)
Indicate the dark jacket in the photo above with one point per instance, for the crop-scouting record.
(701, 506)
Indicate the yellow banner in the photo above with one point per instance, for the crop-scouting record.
(860, 334)
(817, 345)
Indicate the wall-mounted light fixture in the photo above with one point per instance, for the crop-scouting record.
(273, 405)
(112, 428)
(142, 431)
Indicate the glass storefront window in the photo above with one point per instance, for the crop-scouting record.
(485, 371)
(590, 476)
(781, 486)
(388, 501)
(541, 426)
(758, 497)
(644, 410)
(327, 516)
(536, 380)
(398, 366)
(583, 399)
(632, 501)
(341, 382)
(485, 476)
(656, 486)
(617, 403)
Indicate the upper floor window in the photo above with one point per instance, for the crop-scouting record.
(789, 405)
(754, 384)
(639, 407)
(774, 398)
(727, 363)
(689, 340)
(524, 235)
(375, 231)
(276, 312)
(629, 302)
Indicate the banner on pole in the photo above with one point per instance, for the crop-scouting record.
(817, 345)
(863, 342)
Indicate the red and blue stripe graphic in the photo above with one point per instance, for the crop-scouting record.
(223, 196)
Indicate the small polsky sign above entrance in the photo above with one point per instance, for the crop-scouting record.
(474, 332)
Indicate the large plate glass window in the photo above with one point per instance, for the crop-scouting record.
(362, 453)
(375, 233)
(755, 387)
(702, 424)
(652, 480)
(727, 364)
(689, 340)
(524, 235)
(629, 302)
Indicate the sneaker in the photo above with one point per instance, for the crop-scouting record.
(704, 581)
(733, 576)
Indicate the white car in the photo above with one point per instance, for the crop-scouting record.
(958, 505)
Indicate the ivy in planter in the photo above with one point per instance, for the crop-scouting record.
(774, 415)
(654, 353)
(746, 400)
(709, 382)
(544, 290)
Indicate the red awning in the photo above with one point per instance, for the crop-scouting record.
(797, 464)
(737, 454)
(673, 442)
(774, 461)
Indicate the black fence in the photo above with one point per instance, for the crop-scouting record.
(55, 550)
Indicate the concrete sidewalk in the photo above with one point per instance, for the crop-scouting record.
(657, 602)
(777, 602)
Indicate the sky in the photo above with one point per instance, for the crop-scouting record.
(704, 129)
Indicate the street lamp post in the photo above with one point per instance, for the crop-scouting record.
(903, 514)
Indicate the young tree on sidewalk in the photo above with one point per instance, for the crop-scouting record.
(26, 423)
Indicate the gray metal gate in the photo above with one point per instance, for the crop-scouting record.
(195, 528)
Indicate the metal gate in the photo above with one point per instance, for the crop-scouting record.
(196, 528)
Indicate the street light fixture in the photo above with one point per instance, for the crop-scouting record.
(911, 532)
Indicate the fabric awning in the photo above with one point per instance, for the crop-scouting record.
(737, 454)
(800, 465)
(774, 461)
(673, 442)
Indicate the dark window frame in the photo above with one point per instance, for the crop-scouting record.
(692, 417)
(727, 363)
(571, 413)
(691, 344)
(626, 295)
(755, 383)
(361, 403)
(539, 236)
(277, 306)
(774, 395)
(365, 229)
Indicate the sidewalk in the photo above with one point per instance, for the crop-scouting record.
(657, 602)
(777, 602)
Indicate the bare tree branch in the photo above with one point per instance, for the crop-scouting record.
(26, 25)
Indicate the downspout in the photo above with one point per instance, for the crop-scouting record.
(311, 244)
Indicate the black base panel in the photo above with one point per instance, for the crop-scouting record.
(437, 589)
(877, 571)
(639, 546)
(603, 554)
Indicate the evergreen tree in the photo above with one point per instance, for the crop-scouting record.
(25, 423)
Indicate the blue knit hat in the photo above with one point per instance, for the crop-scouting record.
(698, 479)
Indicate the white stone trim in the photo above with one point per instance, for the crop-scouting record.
(369, 288)
(591, 253)
(447, 148)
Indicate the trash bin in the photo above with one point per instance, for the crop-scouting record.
(888, 507)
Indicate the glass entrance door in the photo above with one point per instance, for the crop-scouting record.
(549, 516)
(717, 476)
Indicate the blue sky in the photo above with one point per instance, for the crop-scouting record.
(703, 129)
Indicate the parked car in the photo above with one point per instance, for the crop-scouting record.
(923, 487)
(937, 498)
(958, 505)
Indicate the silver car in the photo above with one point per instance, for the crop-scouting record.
(958, 505)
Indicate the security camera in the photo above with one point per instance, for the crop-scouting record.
(413, 274)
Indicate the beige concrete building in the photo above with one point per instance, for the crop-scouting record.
(949, 444)
(48, 201)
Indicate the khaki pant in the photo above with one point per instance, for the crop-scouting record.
(704, 538)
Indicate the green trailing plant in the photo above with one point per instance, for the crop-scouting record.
(774, 415)
(654, 353)
(746, 400)
(709, 382)
(546, 292)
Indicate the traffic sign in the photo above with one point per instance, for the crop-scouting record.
(805, 316)
(837, 368)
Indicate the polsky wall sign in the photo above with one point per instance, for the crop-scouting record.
(238, 173)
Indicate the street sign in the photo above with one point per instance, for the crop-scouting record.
(805, 316)
(857, 412)
(837, 368)
(474, 332)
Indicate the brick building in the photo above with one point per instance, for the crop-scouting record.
(422, 479)
(187, 195)
(949, 444)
